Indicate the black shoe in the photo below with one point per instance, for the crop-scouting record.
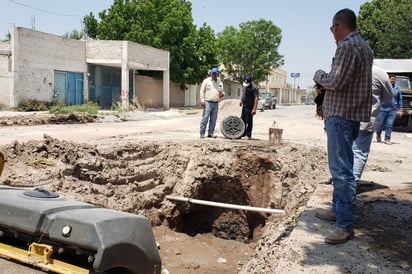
(378, 138)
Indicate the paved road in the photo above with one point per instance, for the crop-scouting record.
(184, 123)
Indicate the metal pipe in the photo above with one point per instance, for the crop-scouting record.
(216, 204)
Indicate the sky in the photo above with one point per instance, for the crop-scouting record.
(307, 43)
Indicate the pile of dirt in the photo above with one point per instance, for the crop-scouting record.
(43, 119)
(261, 176)
(135, 170)
(137, 177)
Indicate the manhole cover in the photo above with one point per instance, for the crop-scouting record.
(232, 127)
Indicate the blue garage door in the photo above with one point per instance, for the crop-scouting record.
(105, 85)
(69, 87)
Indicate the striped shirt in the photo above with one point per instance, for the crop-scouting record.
(349, 83)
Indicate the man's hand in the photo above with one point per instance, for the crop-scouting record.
(240, 103)
(202, 104)
(318, 88)
(253, 111)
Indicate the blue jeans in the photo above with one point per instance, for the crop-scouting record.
(341, 133)
(385, 122)
(361, 147)
(209, 115)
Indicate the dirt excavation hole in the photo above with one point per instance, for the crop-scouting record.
(137, 177)
(281, 178)
(231, 224)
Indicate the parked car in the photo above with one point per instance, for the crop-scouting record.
(309, 101)
(403, 119)
(269, 101)
(260, 104)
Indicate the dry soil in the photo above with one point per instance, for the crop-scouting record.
(132, 161)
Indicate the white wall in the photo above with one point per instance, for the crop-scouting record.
(27, 72)
(36, 55)
(6, 83)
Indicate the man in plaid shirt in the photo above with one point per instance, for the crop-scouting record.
(347, 102)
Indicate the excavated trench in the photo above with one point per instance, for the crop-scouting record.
(224, 223)
(137, 177)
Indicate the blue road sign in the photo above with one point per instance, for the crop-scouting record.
(295, 75)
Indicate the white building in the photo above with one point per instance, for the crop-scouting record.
(45, 67)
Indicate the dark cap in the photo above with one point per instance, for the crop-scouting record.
(248, 79)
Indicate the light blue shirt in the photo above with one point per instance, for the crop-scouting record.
(396, 103)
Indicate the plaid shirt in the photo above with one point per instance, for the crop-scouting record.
(349, 83)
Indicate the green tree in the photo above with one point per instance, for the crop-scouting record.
(90, 25)
(387, 26)
(163, 24)
(251, 49)
(205, 56)
(74, 34)
(8, 37)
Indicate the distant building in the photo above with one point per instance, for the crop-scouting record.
(275, 83)
(45, 67)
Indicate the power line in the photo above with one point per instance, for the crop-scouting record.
(43, 10)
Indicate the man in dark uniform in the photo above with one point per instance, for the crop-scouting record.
(248, 102)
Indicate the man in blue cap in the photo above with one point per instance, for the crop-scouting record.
(248, 102)
(211, 92)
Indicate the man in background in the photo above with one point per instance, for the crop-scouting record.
(387, 113)
(211, 91)
(248, 102)
(381, 94)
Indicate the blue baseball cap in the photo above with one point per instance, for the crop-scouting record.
(214, 71)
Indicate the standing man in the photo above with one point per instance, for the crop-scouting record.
(211, 92)
(381, 93)
(248, 102)
(387, 113)
(347, 102)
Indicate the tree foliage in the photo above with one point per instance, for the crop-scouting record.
(8, 37)
(163, 24)
(252, 49)
(387, 26)
(74, 34)
(90, 25)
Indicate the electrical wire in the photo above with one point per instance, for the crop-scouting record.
(42, 10)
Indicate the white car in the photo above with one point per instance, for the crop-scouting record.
(260, 105)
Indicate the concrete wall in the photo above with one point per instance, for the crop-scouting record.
(36, 56)
(149, 91)
(104, 52)
(107, 52)
(6, 83)
(144, 57)
(233, 90)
